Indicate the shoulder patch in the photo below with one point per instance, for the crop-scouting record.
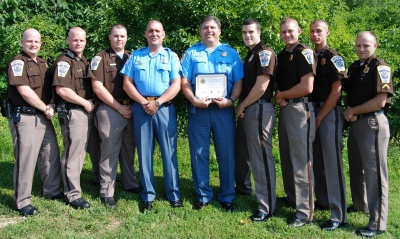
(265, 56)
(338, 62)
(62, 68)
(309, 55)
(17, 67)
(384, 73)
(95, 63)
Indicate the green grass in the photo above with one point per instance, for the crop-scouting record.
(57, 220)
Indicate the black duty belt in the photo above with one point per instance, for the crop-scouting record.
(124, 101)
(373, 113)
(320, 104)
(300, 99)
(29, 110)
(73, 106)
(262, 101)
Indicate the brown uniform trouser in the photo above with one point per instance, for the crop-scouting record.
(259, 125)
(75, 136)
(296, 130)
(117, 141)
(34, 140)
(242, 162)
(367, 146)
(93, 148)
(327, 147)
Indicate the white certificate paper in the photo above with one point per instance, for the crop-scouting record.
(211, 86)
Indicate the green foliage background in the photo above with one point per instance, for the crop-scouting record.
(181, 19)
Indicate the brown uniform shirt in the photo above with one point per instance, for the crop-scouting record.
(73, 72)
(330, 68)
(294, 65)
(261, 60)
(105, 67)
(366, 80)
(22, 70)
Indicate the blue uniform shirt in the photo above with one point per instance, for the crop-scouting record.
(223, 59)
(152, 75)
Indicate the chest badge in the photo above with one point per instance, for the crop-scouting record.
(323, 61)
(224, 53)
(366, 69)
(138, 63)
(291, 57)
(164, 60)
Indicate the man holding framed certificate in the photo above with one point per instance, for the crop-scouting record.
(212, 81)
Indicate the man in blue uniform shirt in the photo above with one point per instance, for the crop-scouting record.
(212, 114)
(152, 80)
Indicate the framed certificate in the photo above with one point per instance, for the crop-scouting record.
(211, 85)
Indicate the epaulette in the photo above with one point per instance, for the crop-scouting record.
(264, 47)
(70, 54)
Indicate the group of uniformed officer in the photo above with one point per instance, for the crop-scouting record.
(309, 90)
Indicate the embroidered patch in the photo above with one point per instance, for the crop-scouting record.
(17, 67)
(62, 68)
(95, 63)
(309, 55)
(265, 56)
(384, 73)
(338, 62)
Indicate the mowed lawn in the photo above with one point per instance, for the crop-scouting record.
(57, 220)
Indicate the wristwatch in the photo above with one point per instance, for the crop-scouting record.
(157, 103)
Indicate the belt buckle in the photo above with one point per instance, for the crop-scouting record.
(151, 98)
(125, 102)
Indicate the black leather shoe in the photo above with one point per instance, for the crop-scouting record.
(332, 225)
(176, 204)
(297, 222)
(79, 203)
(366, 232)
(228, 206)
(28, 210)
(259, 216)
(146, 206)
(200, 205)
(244, 193)
(57, 197)
(109, 202)
(135, 190)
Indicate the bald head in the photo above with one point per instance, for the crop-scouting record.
(289, 20)
(367, 34)
(365, 45)
(76, 40)
(31, 42)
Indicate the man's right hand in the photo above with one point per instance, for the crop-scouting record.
(89, 106)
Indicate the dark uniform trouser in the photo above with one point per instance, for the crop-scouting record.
(258, 125)
(242, 162)
(75, 136)
(93, 148)
(368, 145)
(34, 139)
(117, 141)
(327, 147)
(296, 130)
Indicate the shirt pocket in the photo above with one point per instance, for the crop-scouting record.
(224, 64)
(139, 73)
(164, 70)
(34, 78)
(111, 71)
